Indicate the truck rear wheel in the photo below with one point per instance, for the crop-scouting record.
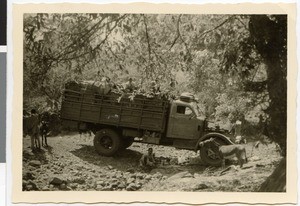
(107, 142)
(211, 157)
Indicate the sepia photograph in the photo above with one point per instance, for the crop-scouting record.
(154, 102)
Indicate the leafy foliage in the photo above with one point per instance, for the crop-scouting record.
(231, 62)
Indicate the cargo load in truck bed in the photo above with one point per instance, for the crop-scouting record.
(139, 112)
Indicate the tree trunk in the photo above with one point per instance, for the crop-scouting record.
(276, 182)
(270, 39)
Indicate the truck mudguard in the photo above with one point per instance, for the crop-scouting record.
(213, 134)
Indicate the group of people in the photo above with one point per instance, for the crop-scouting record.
(152, 88)
(104, 85)
(34, 126)
(130, 86)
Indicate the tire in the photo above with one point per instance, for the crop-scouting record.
(210, 156)
(107, 142)
(127, 142)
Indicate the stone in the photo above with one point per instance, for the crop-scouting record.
(28, 187)
(121, 185)
(35, 163)
(195, 161)
(46, 188)
(79, 180)
(130, 180)
(28, 176)
(131, 187)
(182, 160)
(173, 161)
(114, 185)
(31, 186)
(200, 186)
(103, 176)
(99, 187)
(126, 174)
(148, 177)
(254, 159)
(132, 176)
(110, 167)
(138, 185)
(73, 185)
(140, 176)
(181, 175)
(56, 181)
(79, 168)
(157, 175)
(100, 183)
(114, 180)
(130, 170)
(63, 186)
(107, 188)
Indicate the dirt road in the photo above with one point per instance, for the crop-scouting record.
(71, 163)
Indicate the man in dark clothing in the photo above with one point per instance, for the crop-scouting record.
(44, 130)
(34, 130)
(129, 86)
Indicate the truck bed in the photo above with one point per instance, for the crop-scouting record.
(139, 113)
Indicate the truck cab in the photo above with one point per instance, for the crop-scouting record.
(184, 120)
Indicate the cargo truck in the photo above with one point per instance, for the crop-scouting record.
(119, 120)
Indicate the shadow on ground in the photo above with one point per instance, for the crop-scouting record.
(37, 154)
(127, 160)
(123, 161)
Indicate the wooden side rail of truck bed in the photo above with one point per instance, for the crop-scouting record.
(116, 110)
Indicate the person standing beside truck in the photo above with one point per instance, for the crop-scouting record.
(237, 127)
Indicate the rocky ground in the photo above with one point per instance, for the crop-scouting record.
(71, 163)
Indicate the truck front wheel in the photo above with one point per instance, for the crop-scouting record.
(210, 156)
(107, 142)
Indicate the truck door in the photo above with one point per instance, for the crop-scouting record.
(183, 123)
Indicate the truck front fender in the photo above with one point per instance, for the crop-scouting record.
(224, 138)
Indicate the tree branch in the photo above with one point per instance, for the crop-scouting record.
(218, 26)
(97, 47)
(83, 37)
(147, 37)
(178, 33)
(80, 55)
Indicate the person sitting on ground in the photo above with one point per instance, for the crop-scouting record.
(147, 162)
